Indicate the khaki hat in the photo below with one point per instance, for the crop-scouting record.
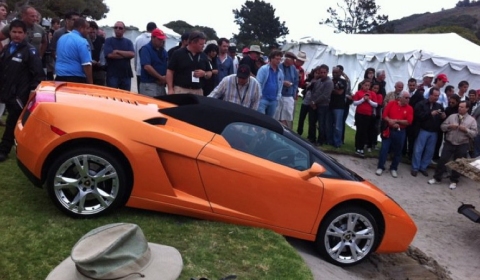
(255, 48)
(118, 251)
(302, 56)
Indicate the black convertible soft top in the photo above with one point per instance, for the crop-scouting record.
(214, 114)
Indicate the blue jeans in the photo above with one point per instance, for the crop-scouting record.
(267, 107)
(394, 141)
(121, 83)
(423, 149)
(324, 124)
(337, 120)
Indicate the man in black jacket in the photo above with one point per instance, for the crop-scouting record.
(20, 72)
(429, 115)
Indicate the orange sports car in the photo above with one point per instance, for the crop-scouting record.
(96, 149)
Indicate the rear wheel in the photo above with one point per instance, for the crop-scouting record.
(347, 236)
(87, 182)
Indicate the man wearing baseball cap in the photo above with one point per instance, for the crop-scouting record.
(439, 82)
(153, 63)
(239, 88)
(427, 79)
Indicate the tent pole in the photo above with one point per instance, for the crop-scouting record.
(415, 65)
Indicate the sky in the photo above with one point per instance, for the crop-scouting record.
(300, 16)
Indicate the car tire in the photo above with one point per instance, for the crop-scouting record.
(87, 182)
(347, 235)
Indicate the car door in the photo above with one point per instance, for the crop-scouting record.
(258, 179)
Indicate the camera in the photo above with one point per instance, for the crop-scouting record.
(338, 85)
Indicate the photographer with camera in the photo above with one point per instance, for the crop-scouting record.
(365, 101)
(337, 107)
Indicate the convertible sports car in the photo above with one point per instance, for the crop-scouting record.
(97, 148)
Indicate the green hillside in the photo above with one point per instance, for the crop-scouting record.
(465, 21)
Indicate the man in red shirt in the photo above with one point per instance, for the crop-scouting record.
(398, 115)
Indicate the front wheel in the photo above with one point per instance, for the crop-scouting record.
(347, 236)
(87, 182)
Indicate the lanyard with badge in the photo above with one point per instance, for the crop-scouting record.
(238, 92)
(194, 79)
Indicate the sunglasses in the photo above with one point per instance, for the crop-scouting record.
(118, 27)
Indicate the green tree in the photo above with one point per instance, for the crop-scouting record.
(181, 27)
(210, 32)
(95, 9)
(258, 24)
(355, 16)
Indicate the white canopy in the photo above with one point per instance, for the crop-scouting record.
(402, 55)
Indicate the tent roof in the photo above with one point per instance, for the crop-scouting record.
(170, 33)
(442, 49)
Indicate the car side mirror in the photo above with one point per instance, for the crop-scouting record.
(315, 170)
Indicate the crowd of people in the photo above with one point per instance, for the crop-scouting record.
(428, 122)
(423, 123)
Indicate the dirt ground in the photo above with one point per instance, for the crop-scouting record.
(446, 246)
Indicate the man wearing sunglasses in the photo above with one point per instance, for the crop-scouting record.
(119, 51)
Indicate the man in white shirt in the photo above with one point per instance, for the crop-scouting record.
(141, 41)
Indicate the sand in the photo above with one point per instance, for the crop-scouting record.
(446, 246)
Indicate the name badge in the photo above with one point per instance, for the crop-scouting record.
(195, 79)
(37, 35)
(16, 59)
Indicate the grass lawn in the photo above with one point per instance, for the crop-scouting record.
(36, 237)
(347, 149)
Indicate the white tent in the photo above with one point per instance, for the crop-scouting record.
(402, 56)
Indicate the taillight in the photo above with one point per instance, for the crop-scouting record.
(38, 98)
(34, 101)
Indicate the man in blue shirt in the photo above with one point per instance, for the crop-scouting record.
(224, 61)
(74, 58)
(153, 61)
(271, 78)
(119, 51)
(286, 103)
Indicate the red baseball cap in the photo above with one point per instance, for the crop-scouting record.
(157, 33)
(442, 77)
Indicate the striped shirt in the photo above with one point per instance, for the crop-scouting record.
(229, 90)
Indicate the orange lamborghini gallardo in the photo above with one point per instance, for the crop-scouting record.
(95, 149)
